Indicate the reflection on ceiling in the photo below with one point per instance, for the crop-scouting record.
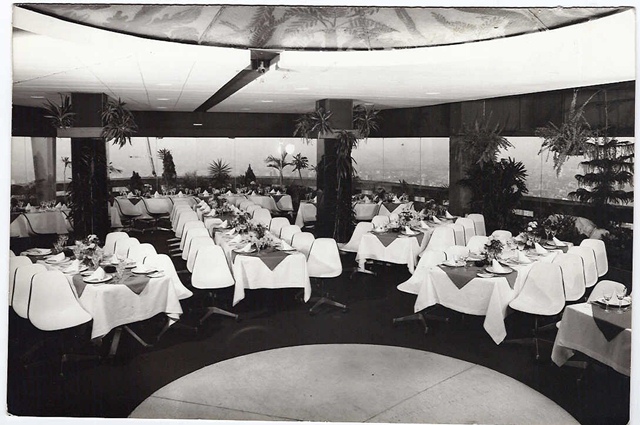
(314, 28)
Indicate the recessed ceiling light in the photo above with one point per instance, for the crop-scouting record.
(197, 124)
(163, 98)
(266, 101)
(36, 97)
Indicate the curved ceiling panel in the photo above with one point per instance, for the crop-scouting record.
(319, 28)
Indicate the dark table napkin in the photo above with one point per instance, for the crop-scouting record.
(270, 257)
(134, 201)
(391, 206)
(611, 323)
(136, 283)
(387, 237)
(277, 197)
(460, 276)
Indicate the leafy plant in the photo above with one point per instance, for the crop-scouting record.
(61, 116)
(365, 120)
(67, 164)
(300, 163)
(191, 180)
(112, 169)
(220, 172)
(249, 176)
(279, 164)
(135, 182)
(168, 167)
(118, 123)
(568, 139)
(482, 141)
(313, 123)
(496, 189)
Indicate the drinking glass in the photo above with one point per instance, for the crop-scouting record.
(620, 294)
(607, 297)
(120, 267)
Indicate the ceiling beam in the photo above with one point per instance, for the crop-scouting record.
(261, 60)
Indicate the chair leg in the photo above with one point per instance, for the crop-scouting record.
(216, 310)
(411, 317)
(325, 300)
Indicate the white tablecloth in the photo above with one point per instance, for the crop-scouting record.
(285, 203)
(578, 332)
(303, 215)
(38, 223)
(251, 273)
(403, 250)
(365, 211)
(264, 201)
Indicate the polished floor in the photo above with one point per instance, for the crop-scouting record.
(351, 383)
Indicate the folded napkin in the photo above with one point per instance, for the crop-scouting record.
(284, 245)
(366, 199)
(56, 258)
(408, 231)
(315, 199)
(180, 194)
(424, 225)
(523, 259)
(130, 195)
(447, 215)
(230, 232)
(28, 206)
(278, 193)
(156, 195)
(206, 209)
(519, 238)
(228, 193)
(205, 193)
(272, 191)
(497, 267)
(395, 199)
(246, 248)
(540, 250)
(58, 206)
(558, 242)
(114, 259)
(436, 220)
(211, 213)
(253, 193)
(74, 267)
(236, 239)
(96, 276)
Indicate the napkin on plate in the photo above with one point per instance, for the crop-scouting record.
(28, 207)
(246, 248)
(130, 195)
(424, 225)
(206, 209)
(395, 198)
(205, 193)
(540, 250)
(156, 195)
(408, 231)
(436, 220)
(449, 216)
(230, 232)
(211, 213)
(58, 206)
(228, 193)
(180, 194)
(74, 267)
(96, 276)
(278, 192)
(272, 191)
(284, 245)
(497, 267)
(314, 200)
(56, 258)
(253, 193)
(366, 200)
(523, 259)
(237, 239)
(114, 259)
(225, 224)
(558, 242)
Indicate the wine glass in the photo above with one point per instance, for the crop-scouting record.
(620, 294)
(607, 297)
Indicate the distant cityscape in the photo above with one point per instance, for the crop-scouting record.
(423, 161)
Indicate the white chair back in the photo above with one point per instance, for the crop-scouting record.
(186, 230)
(428, 259)
(11, 253)
(456, 252)
(14, 263)
(276, 225)
(287, 232)
(184, 218)
(138, 252)
(253, 208)
(469, 228)
(589, 266)
(123, 246)
(431, 258)
(176, 210)
(502, 235)
(354, 243)
(22, 287)
(600, 251)
(572, 275)
(192, 249)
(210, 269)
(157, 206)
(476, 243)
(380, 220)
(195, 232)
(303, 242)
(262, 216)
(53, 305)
(542, 291)
(245, 204)
(478, 221)
(163, 262)
(458, 234)
(308, 211)
(442, 238)
(324, 259)
(605, 286)
(126, 208)
(110, 241)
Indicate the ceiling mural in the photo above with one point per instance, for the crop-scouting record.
(319, 28)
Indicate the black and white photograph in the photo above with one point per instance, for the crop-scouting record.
(417, 213)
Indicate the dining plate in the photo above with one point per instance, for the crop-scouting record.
(507, 270)
(52, 261)
(242, 251)
(449, 263)
(38, 251)
(143, 270)
(155, 274)
(286, 249)
(485, 275)
(106, 279)
(82, 269)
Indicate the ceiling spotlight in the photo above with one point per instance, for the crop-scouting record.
(261, 68)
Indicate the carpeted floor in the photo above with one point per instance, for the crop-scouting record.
(275, 319)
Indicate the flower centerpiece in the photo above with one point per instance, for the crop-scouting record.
(88, 251)
(260, 237)
(433, 209)
(493, 249)
(530, 235)
(61, 244)
(409, 218)
(241, 222)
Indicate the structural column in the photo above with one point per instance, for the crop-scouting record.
(44, 167)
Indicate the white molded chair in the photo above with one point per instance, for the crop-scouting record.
(194, 246)
(603, 287)
(137, 253)
(442, 238)
(211, 271)
(262, 216)
(307, 214)
(380, 220)
(276, 225)
(430, 258)
(600, 251)
(303, 242)
(502, 235)
(572, 275)
(22, 287)
(186, 230)
(163, 262)
(458, 234)
(14, 263)
(354, 242)
(252, 208)
(123, 246)
(196, 232)
(183, 218)
(287, 232)
(542, 294)
(456, 252)
(175, 212)
(110, 242)
(468, 226)
(11, 253)
(324, 262)
(589, 264)
(478, 221)
(476, 243)
(245, 204)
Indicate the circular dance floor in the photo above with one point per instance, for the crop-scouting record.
(351, 383)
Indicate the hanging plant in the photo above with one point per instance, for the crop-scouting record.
(365, 120)
(118, 123)
(312, 124)
(60, 116)
(482, 141)
(570, 138)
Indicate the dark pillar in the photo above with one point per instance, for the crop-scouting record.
(89, 169)
(459, 196)
(330, 202)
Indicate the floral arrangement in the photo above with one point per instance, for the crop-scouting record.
(493, 248)
(225, 207)
(88, 250)
(241, 222)
(409, 217)
(60, 244)
(562, 225)
(260, 237)
(530, 235)
(433, 209)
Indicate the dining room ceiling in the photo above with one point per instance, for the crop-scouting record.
(180, 55)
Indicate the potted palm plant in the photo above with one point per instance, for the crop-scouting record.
(279, 164)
